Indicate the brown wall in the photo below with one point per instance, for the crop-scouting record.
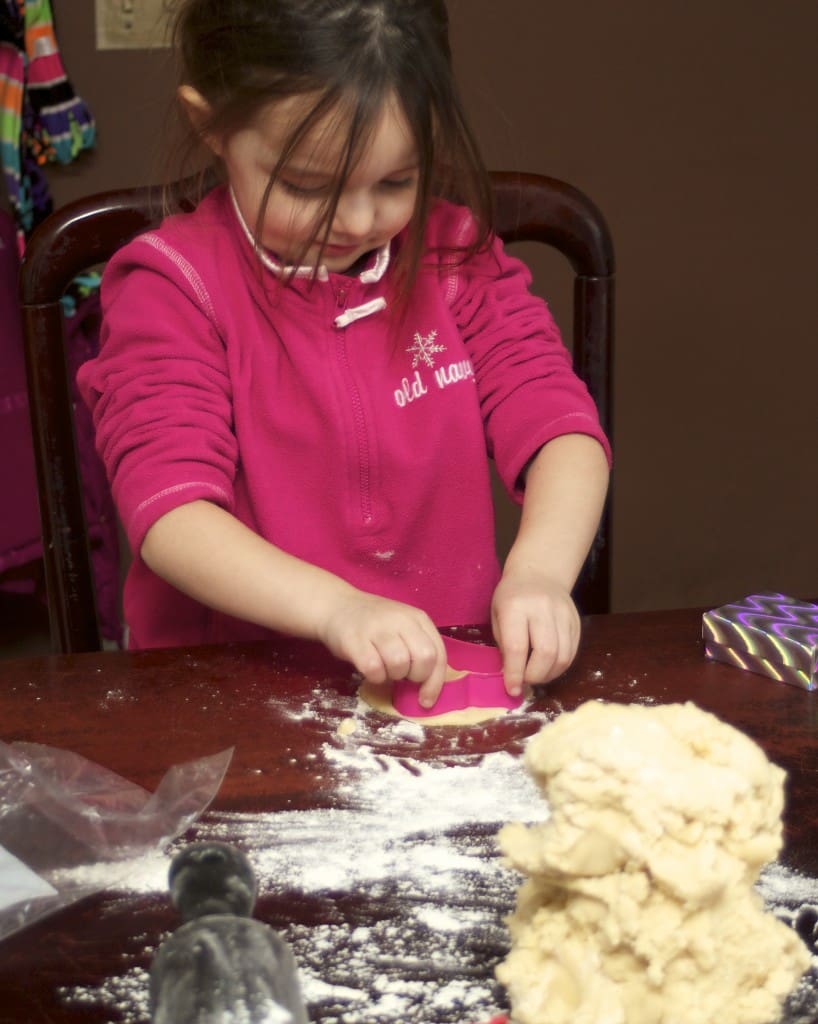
(692, 124)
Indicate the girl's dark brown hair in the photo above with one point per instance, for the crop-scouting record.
(242, 55)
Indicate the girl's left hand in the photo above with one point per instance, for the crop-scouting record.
(536, 626)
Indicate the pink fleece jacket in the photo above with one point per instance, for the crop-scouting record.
(302, 410)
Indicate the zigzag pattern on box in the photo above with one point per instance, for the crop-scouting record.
(770, 633)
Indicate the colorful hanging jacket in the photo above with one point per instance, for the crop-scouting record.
(41, 118)
(43, 121)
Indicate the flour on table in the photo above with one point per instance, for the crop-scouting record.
(419, 839)
(639, 906)
(405, 877)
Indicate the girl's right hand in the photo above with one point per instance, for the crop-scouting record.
(386, 640)
(253, 580)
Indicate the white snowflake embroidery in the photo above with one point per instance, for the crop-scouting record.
(423, 349)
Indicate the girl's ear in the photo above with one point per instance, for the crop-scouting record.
(198, 111)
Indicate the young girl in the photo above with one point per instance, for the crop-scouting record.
(300, 381)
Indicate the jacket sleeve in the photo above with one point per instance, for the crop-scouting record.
(159, 391)
(528, 390)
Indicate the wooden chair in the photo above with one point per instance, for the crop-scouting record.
(88, 231)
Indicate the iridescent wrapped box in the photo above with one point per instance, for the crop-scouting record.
(768, 633)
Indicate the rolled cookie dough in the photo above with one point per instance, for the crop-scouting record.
(639, 906)
(379, 698)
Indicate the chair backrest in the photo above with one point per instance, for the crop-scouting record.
(88, 231)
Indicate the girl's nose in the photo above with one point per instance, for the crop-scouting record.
(354, 215)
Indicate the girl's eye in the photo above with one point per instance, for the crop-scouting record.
(305, 191)
(398, 183)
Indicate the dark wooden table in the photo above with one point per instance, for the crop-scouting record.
(139, 713)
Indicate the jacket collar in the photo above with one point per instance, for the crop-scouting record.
(372, 273)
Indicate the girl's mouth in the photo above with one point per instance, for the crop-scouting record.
(339, 250)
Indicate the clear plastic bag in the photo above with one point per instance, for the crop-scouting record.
(60, 813)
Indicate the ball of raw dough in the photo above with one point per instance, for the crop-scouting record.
(639, 906)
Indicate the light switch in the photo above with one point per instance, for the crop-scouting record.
(131, 24)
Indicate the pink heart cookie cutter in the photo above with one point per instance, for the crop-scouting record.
(482, 685)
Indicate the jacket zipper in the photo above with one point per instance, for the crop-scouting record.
(359, 419)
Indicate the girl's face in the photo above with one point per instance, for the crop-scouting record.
(376, 203)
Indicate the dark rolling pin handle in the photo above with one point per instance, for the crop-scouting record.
(221, 964)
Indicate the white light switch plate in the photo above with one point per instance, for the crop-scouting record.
(131, 24)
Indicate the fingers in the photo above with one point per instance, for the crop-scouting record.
(427, 661)
(422, 660)
(536, 648)
(553, 648)
(384, 659)
(416, 654)
(432, 684)
(386, 641)
(513, 641)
